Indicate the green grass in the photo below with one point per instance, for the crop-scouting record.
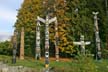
(81, 65)
(102, 66)
(28, 62)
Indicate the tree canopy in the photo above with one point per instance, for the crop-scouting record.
(74, 17)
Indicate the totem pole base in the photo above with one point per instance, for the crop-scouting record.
(46, 65)
(21, 58)
(13, 61)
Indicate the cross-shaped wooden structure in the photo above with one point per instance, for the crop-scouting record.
(82, 44)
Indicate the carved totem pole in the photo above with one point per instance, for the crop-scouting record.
(38, 50)
(98, 48)
(22, 44)
(47, 21)
(56, 41)
(14, 42)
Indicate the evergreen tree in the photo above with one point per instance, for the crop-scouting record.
(59, 8)
(80, 20)
(27, 15)
(74, 17)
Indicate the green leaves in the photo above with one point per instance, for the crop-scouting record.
(74, 19)
(27, 15)
(6, 48)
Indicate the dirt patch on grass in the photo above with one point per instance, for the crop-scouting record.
(60, 59)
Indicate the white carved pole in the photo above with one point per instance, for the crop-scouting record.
(47, 42)
(38, 52)
(98, 48)
(82, 44)
(47, 22)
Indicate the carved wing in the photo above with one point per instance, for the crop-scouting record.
(41, 19)
(95, 13)
(52, 20)
(77, 43)
(87, 43)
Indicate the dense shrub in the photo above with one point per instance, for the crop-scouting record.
(6, 48)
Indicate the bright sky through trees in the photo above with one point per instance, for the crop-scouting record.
(8, 12)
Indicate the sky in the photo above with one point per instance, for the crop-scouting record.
(8, 13)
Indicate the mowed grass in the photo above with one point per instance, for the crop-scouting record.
(86, 65)
(32, 63)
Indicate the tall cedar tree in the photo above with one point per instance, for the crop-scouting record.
(27, 15)
(80, 20)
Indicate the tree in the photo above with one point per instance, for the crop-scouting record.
(6, 48)
(27, 15)
(74, 19)
(59, 9)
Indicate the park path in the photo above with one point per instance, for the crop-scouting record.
(7, 68)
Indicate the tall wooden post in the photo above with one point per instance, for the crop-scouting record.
(47, 21)
(98, 48)
(47, 42)
(56, 41)
(38, 52)
(22, 44)
(14, 42)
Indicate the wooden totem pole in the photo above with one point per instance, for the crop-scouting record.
(98, 48)
(47, 21)
(14, 43)
(22, 44)
(38, 50)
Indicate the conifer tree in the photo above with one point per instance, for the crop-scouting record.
(59, 8)
(74, 19)
(26, 18)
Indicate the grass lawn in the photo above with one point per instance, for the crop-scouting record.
(81, 65)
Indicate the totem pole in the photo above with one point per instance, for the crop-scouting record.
(47, 21)
(56, 41)
(38, 52)
(98, 48)
(14, 42)
(22, 44)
